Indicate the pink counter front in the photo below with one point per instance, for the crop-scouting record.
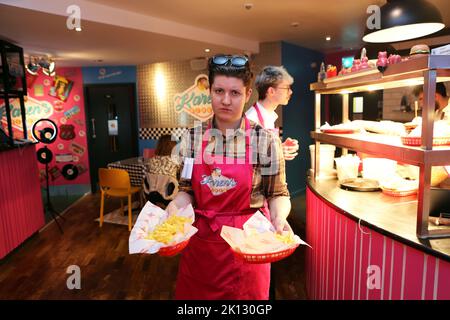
(365, 248)
(21, 208)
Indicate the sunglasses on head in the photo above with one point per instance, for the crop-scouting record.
(226, 60)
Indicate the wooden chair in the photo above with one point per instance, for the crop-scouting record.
(116, 183)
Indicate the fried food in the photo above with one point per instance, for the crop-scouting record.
(166, 231)
(286, 239)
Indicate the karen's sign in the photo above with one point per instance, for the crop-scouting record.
(196, 100)
(35, 110)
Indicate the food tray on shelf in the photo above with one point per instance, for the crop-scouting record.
(173, 250)
(352, 74)
(398, 193)
(417, 141)
(338, 131)
(265, 257)
(360, 184)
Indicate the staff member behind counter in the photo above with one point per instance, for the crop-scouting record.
(226, 187)
(274, 89)
(442, 101)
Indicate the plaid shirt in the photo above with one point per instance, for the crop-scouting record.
(269, 175)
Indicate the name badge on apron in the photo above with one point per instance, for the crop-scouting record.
(186, 173)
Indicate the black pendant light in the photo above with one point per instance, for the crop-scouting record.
(404, 20)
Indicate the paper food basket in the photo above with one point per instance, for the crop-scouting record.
(149, 218)
(269, 249)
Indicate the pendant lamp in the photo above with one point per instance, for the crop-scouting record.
(404, 20)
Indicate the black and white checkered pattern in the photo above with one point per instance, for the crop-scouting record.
(156, 133)
(135, 171)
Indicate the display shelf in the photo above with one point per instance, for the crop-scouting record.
(404, 74)
(386, 146)
(426, 70)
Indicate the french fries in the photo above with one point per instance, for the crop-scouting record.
(166, 231)
(286, 239)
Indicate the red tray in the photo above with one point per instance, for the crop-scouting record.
(173, 250)
(265, 257)
(339, 131)
(417, 141)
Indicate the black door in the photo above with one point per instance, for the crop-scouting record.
(111, 119)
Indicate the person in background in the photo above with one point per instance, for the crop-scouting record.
(274, 89)
(226, 185)
(161, 176)
(442, 101)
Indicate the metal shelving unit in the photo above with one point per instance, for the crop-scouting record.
(426, 70)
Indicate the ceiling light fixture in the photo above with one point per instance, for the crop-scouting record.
(78, 29)
(401, 20)
(207, 50)
(32, 66)
(36, 63)
(328, 38)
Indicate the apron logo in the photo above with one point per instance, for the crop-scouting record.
(217, 183)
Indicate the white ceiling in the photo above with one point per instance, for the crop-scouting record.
(138, 32)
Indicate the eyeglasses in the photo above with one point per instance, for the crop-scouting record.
(226, 60)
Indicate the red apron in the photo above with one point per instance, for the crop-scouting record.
(208, 268)
(276, 131)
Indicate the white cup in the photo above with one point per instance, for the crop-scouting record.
(347, 167)
(326, 157)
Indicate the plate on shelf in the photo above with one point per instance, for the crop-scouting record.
(339, 131)
(417, 141)
(398, 193)
(360, 184)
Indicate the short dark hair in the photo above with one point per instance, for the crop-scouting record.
(165, 145)
(270, 76)
(243, 73)
(440, 89)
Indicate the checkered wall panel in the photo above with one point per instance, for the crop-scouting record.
(156, 133)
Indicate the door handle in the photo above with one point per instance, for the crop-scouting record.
(93, 128)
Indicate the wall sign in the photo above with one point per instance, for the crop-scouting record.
(113, 128)
(195, 100)
(34, 109)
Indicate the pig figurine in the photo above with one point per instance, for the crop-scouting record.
(382, 61)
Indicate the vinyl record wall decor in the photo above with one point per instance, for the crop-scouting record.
(55, 106)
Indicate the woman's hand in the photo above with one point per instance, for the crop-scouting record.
(281, 225)
(181, 200)
(279, 208)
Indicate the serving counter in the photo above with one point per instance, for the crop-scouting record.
(21, 208)
(365, 247)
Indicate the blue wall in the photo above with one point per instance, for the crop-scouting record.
(298, 115)
(104, 75)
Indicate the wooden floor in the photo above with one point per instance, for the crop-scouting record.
(37, 269)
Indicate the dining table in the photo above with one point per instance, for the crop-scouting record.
(135, 167)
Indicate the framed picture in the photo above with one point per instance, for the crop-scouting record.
(61, 88)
